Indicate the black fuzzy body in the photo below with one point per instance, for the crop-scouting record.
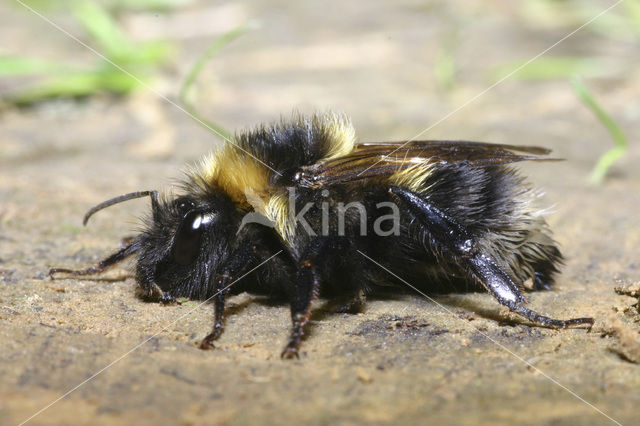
(464, 220)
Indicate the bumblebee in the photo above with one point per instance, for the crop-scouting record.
(327, 212)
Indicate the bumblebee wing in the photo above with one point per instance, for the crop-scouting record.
(369, 160)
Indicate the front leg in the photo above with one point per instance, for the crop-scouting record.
(453, 238)
(239, 262)
(221, 282)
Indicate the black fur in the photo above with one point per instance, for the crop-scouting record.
(465, 224)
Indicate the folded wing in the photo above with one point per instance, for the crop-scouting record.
(369, 160)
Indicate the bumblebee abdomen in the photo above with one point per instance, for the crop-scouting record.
(497, 207)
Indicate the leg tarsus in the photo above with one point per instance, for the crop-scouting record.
(167, 299)
(500, 284)
(111, 260)
(240, 260)
(305, 293)
(207, 342)
(293, 347)
(353, 306)
(218, 326)
(551, 322)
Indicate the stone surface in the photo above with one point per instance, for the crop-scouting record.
(406, 359)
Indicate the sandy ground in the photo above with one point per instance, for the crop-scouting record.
(457, 359)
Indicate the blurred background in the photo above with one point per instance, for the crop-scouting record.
(99, 98)
(397, 69)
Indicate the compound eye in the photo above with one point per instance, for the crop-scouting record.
(186, 246)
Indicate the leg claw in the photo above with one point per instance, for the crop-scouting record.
(207, 342)
(290, 352)
(350, 308)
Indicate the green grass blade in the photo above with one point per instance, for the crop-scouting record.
(633, 13)
(551, 68)
(100, 24)
(444, 69)
(191, 77)
(17, 66)
(102, 27)
(208, 124)
(218, 44)
(146, 5)
(621, 145)
(60, 80)
(77, 84)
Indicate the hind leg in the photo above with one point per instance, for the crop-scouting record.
(453, 240)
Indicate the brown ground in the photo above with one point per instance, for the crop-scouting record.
(405, 359)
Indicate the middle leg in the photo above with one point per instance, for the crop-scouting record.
(323, 257)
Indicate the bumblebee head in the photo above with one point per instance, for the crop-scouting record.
(183, 242)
